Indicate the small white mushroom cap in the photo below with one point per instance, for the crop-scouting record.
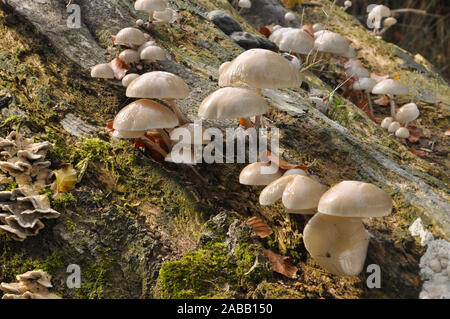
(129, 56)
(364, 84)
(355, 199)
(357, 72)
(376, 14)
(158, 85)
(289, 16)
(277, 34)
(253, 175)
(143, 115)
(260, 68)
(407, 113)
(390, 86)
(330, 42)
(232, 103)
(318, 27)
(388, 22)
(102, 71)
(394, 126)
(127, 79)
(402, 132)
(347, 4)
(130, 35)
(153, 53)
(150, 5)
(140, 22)
(166, 16)
(145, 45)
(386, 122)
(244, 4)
(299, 193)
(297, 41)
(338, 244)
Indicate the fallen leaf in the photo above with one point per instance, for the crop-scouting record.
(415, 134)
(66, 178)
(119, 68)
(280, 264)
(267, 156)
(289, 4)
(260, 228)
(418, 153)
(447, 133)
(384, 100)
(109, 126)
(265, 31)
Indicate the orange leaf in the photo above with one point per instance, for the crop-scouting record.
(110, 127)
(119, 68)
(260, 228)
(418, 153)
(265, 31)
(280, 264)
(267, 156)
(447, 133)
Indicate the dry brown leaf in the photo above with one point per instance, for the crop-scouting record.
(119, 68)
(280, 264)
(260, 228)
(265, 31)
(418, 153)
(267, 156)
(415, 134)
(289, 4)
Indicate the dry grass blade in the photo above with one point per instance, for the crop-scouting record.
(280, 264)
(260, 228)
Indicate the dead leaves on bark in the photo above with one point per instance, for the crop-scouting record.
(280, 264)
(267, 156)
(119, 68)
(260, 228)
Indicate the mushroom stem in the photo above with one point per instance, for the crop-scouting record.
(155, 146)
(177, 111)
(165, 137)
(369, 102)
(257, 122)
(150, 16)
(391, 100)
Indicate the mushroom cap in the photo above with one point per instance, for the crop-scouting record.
(302, 193)
(130, 35)
(274, 191)
(407, 113)
(330, 42)
(394, 126)
(289, 16)
(364, 84)
(205, 138)
(402, 132)
(223, 66)
(338, 244)
(355, 199)
(153, 53)
(244, 4)
(386, 122)
(129, 56)
(357, 72)
(168, 15)
(388, 22)
(144, 45)
(297, 41)
(143, 115)
(102, 71)
(150, 5)
(127, 79)
(231, 103)
(127, 134)
(277, 34)
(252, 175)
(390, 86)
(158, 85)
(318, 27)
(260, 68)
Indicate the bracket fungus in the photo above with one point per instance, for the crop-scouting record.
(390, 87)
(33, 284)
(299, 194)
(160, 85)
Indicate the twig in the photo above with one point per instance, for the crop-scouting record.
(417, 11)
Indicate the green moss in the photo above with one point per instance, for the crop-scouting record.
(204, 273)
(63, 201)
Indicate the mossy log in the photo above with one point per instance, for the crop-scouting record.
(132, 221)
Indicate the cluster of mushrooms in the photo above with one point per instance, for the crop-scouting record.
(379, 19)
(33, 284)
(335, 236)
